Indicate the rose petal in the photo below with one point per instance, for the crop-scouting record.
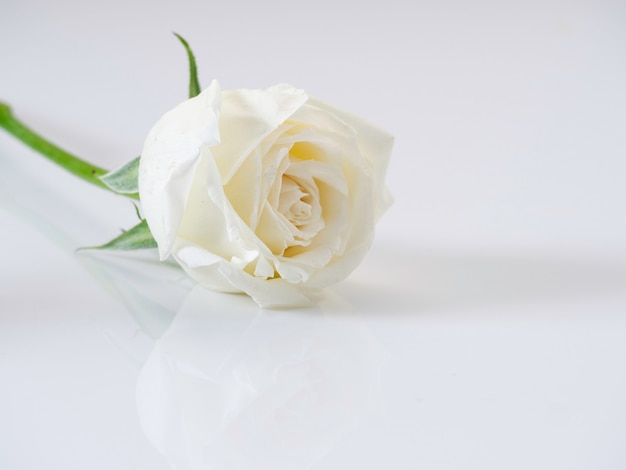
(169, 159)
(249, 116)
(270, 293)
(376, 145)
(211, 222)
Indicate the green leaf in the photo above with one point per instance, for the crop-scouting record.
(194, 84)
(137, 213)
(124, 179)
(137, 238)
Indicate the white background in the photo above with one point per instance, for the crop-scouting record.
(495, 293)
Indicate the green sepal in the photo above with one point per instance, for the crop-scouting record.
(124, 180)
(194, 84)
(137, 238)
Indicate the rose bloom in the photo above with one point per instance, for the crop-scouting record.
(268, 192)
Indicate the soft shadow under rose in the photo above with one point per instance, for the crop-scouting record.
(242, 389)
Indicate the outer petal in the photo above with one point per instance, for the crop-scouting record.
(376, 145)
(271, 293)
(169, 159)
(219, 274)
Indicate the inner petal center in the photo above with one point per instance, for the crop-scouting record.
(294, 202)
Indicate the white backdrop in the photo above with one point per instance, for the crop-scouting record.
(488, 320)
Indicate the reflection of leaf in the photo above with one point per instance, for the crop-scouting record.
(137, 238)
(151, 290)
(124, 179)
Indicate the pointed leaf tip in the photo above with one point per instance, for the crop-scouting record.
(137, 238)
(194, 84)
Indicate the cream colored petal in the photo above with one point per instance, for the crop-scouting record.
(274, 169)
(356, 239)
(244, 188)
(169, 159)
(219, 274)
(211, 222)
(263, 268)
(247, 117)
(340, 267)
(271, 293)
(337, 219)
(320, 171)
(202, 266)
(209, 277)
(376, 145)
(274, 230)
(340, 246)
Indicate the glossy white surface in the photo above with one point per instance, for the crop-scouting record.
(485, 329)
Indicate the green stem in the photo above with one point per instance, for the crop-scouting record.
(66, 160)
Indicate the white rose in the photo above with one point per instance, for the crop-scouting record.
(267, 192)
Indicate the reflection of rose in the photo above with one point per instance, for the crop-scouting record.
(242, 390)
(269, 192)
